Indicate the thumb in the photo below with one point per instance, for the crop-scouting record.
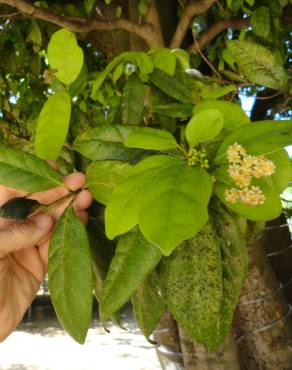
(21, 235)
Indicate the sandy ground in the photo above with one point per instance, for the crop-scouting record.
(43, 345)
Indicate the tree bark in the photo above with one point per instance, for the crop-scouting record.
(168, 343)
(197, 357)
(276, 241)
(263, 326)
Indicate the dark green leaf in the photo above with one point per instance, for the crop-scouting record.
(176, 110)
(65, 56)
(260, 21)
(133, 101)
(103, 177)
(20, 170)
(70, 275)
(134, 259)
(171, 85)
(148, 304)
(258, 64)
(18, 208)
(52, 127)
(106, 142)
(233, 115)
(191, 281)
(165, 196)
(150, 138)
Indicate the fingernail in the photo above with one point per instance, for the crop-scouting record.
(44, 221)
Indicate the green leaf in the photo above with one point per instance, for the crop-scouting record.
(280, 180)
(217, 92)
(175, 110)
(233, 115)
(183, 57)
(89, 5)
(231, 233)
(52, 127)
(23, 171)
(204, 125)
(134, 259)
(19, 208)
(164, 59)
(191, 281)
(165, 196)
(70, 275)
(142, 60)
(148, 304)
(35, 34)
(103, 177)
(261, 137)
(260, 21)
(65, 56)
(267, 211)
(258, 64)
(133, 101)
(171, 85)
(151, 138)
(106, 142)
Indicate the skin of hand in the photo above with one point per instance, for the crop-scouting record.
(24, 248)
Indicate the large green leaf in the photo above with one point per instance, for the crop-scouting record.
(150, 138)
(171, 85)
(258, 64)
(204, 125)
(148, 304)
(260, 21)
(70, 275)
(103, 176)
(65, 56)
(52, 127)
(233, 115)
(280, 180)
(261, 137)
(165, 196)
(230, 231)
(191, 281)
(164, 59)
(24, 171)
(134, 259)
(269, 210)
(133, 101)
(106, 142)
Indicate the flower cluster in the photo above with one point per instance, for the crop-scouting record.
(242, 168)
(198, 157)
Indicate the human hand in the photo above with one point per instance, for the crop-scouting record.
(24, 249)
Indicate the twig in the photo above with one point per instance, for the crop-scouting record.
(268, 97)
(190, 11)
(217, 28)
(207, 61)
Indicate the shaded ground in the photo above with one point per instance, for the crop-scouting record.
(43, 345)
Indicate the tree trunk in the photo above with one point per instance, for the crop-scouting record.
(277, 243)
(197, 357)
(263, 325)
(168, 343)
